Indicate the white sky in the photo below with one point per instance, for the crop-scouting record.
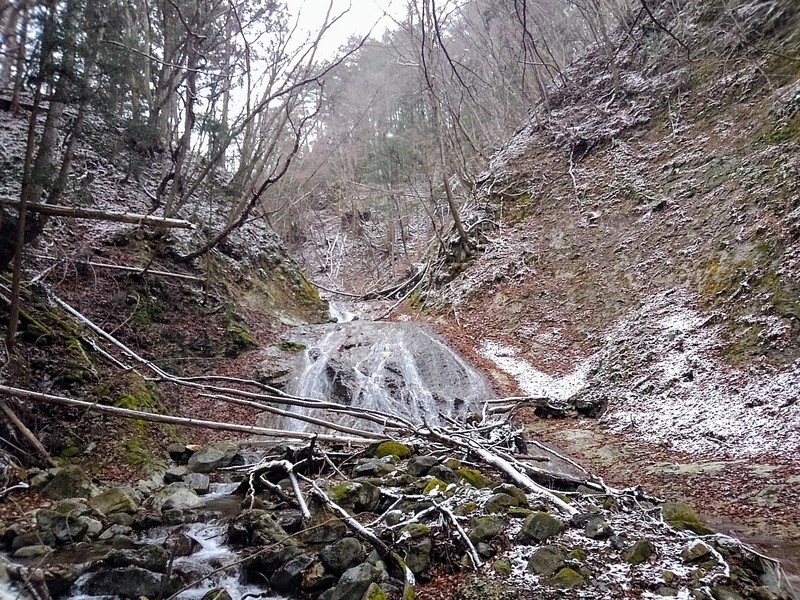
(363, 16)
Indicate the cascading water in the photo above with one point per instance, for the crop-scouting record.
(399, 369)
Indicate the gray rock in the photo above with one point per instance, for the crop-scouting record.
(151, 557)
(68, 482)
(418, 556)
(342, 555)
(419, 465)
(129, 582)
(175, 496)
(68, 530)
(33, 538)
(287, 577)
(73, 507)
(638, 553)
(443, 473)
(114, 500)
(32, 551)
(355, 581)
(174, 474)
(93, 526)
(373, 467)
(316, 578)
(513, 491)
(121, 519)
(485, 528)
(598, 529)
(115, 530)
(214, 456)
(500, 503)
(485, 550)
(538, 527)
(695, 551)
(198, 482)
(59, 579)
(257, 527)
(547, 560)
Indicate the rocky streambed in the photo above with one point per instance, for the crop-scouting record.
(389, 520)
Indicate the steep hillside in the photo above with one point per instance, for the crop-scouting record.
(643, 260)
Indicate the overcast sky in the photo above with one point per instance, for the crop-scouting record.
(363, 16)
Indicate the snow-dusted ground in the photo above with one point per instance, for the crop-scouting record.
(665, 384)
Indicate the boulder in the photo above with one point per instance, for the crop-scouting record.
(392, 448)
(485, 528)
(316, 578)
(68, 482)
(342, 555)
(598, 528)
(129, 582)
(361, 496)
(288, 576)
(374, 592)
(639, 552)
(682, 516)
(538, 527)
(355, 582)
(373, 467)
(419, 465)
(151, 557)
(34, 551)
(175, 496)
(547, 560)
(33, 538)
(174, 474)
(214, 456)
(199, 482)
(513, 491)
(500, 503)
(566, 578)
(418, 555)
(695, 551)
(114, 500)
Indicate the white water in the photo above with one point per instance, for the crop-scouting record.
(394, 368)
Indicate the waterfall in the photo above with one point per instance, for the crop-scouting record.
(394, 368)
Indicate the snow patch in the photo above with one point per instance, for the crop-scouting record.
(533, 381)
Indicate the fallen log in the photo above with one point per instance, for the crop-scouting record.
(99, 215)
(186, 421)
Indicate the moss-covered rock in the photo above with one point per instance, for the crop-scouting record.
(640, 552)
(374, 592)
(434, 484)
(68, 482)
(566, 578)
(683, 516)
(485, 528)
(474, 477)
(538, 527)
(392, 448)
(547, 560)
(500, 503)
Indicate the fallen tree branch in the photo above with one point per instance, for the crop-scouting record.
(99, 215)
(27, 433)
(186, 421)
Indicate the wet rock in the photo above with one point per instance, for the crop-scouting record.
(316, 578)
(418, 466)
(682, 516)
(539, 527)
(33, 538)
(121, 519)
(355, 582)
(123, 542)
(149, 557)
(598, 529)
(129, 582)
(342, 555)
(34, 551)
(500, 503)
(287, 577)
(217, 594)
(175, 496)
(178, 452)
(257, 527)
(639, 552)
(68, 482)
(198, 482)
(68, 530)
(547, 560)
(114, 500)
(59, 579)
(180, 544)
(214, 456)
(485, 528)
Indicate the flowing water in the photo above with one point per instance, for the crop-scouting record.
(402, 369)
